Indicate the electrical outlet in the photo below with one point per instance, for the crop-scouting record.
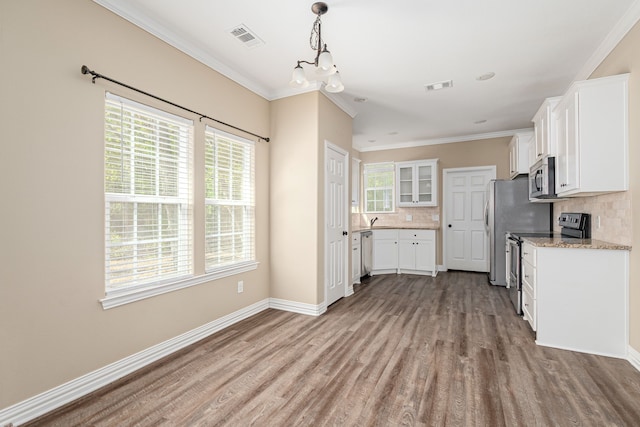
(409, 218)
(240, 286)
(598, 221)
(435, 217)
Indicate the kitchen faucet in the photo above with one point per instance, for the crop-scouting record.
(373, 221)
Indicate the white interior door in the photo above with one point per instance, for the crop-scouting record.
(336, 223)
(466, 244)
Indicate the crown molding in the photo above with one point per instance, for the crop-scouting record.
(448, 140)
(617, 33)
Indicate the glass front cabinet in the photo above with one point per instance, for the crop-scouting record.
(417, 183)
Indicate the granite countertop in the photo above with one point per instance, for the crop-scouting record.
(401, 227)
(573, 243)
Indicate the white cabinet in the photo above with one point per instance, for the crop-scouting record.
(529, 284)
(592, 133)
(356, 250)
(417, 251)
(581, 300)
(519, 154)
(543, 143)
(404, 251)
(417, 183)
(385, 251)
(355, 182)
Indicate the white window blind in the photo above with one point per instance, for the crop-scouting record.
(378, 187)
(229, 200)
(148, 195)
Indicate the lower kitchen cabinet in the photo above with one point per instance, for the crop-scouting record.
(356, 249)
(385, 251)
(581, 300)
(417, 251)
(404, 251)
(529, 284)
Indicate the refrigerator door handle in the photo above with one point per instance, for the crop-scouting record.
(486, 215)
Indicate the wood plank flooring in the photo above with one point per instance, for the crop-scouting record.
(404, 350)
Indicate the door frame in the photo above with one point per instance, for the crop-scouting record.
(348, 290)
(446, 176)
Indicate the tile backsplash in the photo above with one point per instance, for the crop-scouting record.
(420, 217)
(613, 209)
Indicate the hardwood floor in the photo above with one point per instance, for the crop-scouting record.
(404, 350)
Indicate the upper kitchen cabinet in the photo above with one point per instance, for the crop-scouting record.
(592, 134)
(519, 154)
(355, 182)
(544, 139)
(417, 183)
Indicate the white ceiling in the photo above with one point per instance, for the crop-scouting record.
(388, 51)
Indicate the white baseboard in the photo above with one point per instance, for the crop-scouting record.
(47, 401)
(297, 307)
(634, 357)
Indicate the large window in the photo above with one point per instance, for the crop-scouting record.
(148, 195)
(229, 200)
(378, 187)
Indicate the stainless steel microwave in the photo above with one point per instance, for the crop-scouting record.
(542, 179)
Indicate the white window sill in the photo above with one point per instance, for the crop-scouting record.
(124, 296)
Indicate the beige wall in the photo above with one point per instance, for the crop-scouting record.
(301, 124)
(620, 212)
(53, 328)
(294, 205)
(485, 152)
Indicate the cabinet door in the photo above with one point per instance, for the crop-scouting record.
(540, 135)
(424, 184)
(405, 185)
(567, 139)
(572, 146)
(355, 182)
(355, 263)
(406, 255)
(425, 255)
(561, 140)
(513, 158)
(385, 254)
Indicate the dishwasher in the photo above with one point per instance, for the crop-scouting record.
(366, 254)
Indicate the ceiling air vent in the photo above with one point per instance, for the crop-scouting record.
(439, 85)
(247, 37)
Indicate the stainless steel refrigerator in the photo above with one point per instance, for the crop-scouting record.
(508, 209)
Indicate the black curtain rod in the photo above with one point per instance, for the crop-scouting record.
(86, 70)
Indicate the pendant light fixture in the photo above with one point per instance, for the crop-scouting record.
(323, 62)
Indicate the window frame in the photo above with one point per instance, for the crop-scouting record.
(128, 294)
(248, 237)
(183, 199)
(368, 168)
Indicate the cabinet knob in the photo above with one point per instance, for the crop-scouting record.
(449, 225)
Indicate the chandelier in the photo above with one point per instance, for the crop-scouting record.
(323, 61)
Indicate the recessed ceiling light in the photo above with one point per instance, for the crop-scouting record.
(479, 122)
(360, 99)
(439, 85)
(486, 76)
